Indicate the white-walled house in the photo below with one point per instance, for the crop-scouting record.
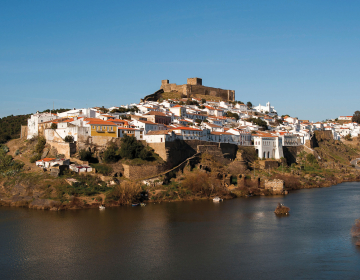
(135, 132)
(265, 109)
(345, 118)
(146, 126)
(188, 133)
(241, 107)
(49, 162)
(268, 145)
(244, 136)
(85, 112)
(35, 120)
(160, 136)
(178, 110)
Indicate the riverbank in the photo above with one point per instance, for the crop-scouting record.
(23, 185)
(39, 191)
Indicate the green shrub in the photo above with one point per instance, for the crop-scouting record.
(53, 126)
(8, 166)
(310, 158)
(85, 155)
(35, 158)
(69, 139)
(5, 148)
(102, 168)
(112, 154)
(40, 145)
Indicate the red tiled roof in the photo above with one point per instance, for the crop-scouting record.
(47, 159)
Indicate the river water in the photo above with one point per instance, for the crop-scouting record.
(236, 239)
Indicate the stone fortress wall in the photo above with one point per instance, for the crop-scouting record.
(194, 87)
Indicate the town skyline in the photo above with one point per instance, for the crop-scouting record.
(300, 56)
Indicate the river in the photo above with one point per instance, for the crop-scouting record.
(236, 239)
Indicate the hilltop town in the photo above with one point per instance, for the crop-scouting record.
(182, 127)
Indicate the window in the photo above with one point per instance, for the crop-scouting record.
(93, 127)
(111, 128)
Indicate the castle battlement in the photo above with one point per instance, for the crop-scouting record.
(194, 88)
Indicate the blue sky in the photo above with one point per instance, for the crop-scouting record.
(302, 56)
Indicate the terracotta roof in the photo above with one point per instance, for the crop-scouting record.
(127, 128)
(147, 122)
(221, 133)
(213, 125)
(101, 122)
(187, 128)
(158, 132)
(264, 134)
(156, 114)
(47, 159)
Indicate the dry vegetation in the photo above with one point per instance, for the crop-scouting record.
(355, 231)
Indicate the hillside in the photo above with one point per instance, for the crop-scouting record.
(10, 126)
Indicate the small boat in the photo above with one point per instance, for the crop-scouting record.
(217, 199)
(101, 207)
(135, 204)
(142, 204)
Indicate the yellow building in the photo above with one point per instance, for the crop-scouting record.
(103, 128)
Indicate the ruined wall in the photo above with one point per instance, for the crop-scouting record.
(24, 132)
(135, 172)
(194, 87)
(177, 151)
(290, 153)
(248, 153)
(160, 149)
(276, 186)
(224, 94)
(325, 135)
(96, 143)
(268, 164)
(62, 148)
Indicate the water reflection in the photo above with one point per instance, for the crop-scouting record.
(240, 238)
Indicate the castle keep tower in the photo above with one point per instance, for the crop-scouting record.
(194, 81)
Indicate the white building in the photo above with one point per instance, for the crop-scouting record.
(268, 145)
(76, 113)
(345, 118)
(35, 120)
(267, 109)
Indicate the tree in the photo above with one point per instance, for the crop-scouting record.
(258, 122)
(356, 117)
(203, 101)
(198, 121)
(279, 121)
(348, 137)
(53, 126)
(249, 104)
(232, 115)
(130, 147)
(69, 139)
(112, 154)
(103, 110)
(40, 145)
(85, 155)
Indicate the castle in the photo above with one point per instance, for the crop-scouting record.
(193, 88)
